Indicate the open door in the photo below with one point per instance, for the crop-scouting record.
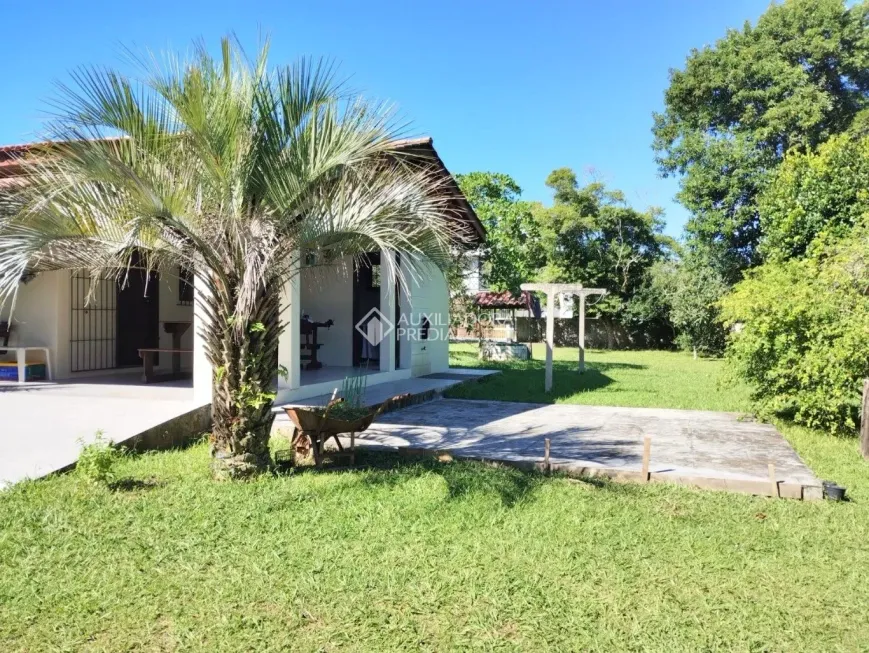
(366, 295)
(138, 315)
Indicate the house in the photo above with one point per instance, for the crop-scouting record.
(360, 320)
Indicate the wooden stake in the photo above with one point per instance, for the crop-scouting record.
(546, 444)
(773, 484)
(352, 448)
(647, 454)
(864, 422)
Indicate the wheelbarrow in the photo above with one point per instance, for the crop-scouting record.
(313, 426)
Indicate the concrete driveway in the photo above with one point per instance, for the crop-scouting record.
(41, 423)
(705, 449)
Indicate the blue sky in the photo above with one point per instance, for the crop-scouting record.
(515, 87)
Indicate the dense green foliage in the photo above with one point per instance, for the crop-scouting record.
(436, 556)
(824, 192)
(767, 129)
(803, 338)
(687, 292)
(793, 80)
(510, 229)
(589, 235)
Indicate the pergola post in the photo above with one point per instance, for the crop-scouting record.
(550, 338)
(581, 333)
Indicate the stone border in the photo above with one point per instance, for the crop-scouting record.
(573, 470)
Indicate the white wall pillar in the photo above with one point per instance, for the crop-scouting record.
(405, 309)
(203, 374)
(289, 343)
(387, 308)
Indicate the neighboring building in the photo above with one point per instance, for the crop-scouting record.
(472, 280)
(97, 328)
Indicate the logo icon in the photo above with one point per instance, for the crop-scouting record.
(374, 327)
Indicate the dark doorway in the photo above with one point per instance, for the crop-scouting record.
(138, 315)
(366, 296)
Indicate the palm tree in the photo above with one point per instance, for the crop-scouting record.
(225, 167)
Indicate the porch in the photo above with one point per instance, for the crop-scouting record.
(44, 423)
(353, 318)
(96, 328)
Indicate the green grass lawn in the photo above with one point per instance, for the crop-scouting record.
(612, 378)
(423, 555)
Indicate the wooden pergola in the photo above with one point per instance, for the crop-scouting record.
(552, 289)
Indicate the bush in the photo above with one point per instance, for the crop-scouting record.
(814, 193)
(97, 460)
(801, 333)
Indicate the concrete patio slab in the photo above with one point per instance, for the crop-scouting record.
(42, 423)
(706, 449)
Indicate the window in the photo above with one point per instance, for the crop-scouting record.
(185, 286)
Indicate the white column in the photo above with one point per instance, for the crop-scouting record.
(290, 343)
(550, 337)
(387, 308)
(581, 333)
(203, 374)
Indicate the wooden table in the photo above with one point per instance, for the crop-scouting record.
(177, 329)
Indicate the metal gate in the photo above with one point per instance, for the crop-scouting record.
(93, 323)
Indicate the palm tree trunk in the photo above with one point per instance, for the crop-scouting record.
(244, 356)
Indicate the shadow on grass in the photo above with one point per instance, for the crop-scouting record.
(527, 383)
(463, 478)
(134, 484)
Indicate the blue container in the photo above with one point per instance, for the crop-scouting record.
(32, 372)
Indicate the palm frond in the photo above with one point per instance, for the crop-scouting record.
(220, 165)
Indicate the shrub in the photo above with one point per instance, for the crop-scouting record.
(801, 333)
(97, 460)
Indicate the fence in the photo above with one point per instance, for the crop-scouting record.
(599, 334)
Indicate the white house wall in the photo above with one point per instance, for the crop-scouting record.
(429, 296)
(43, 317)
(34, 319)
(327, 294)
(171, 311)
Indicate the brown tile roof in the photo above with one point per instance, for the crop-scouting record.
(504, 299)
(11, 166)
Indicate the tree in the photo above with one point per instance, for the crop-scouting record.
(508, 258)
(690, 291)
(815, 193)
(590, 235)
(795, 79)
(230, 169)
